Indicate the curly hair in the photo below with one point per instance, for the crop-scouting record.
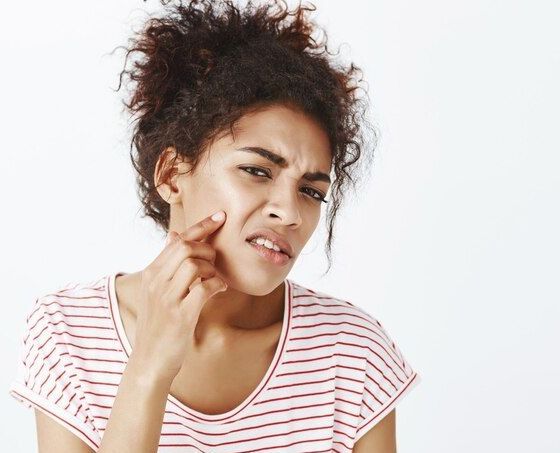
(204, 64)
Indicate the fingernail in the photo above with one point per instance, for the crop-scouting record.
(220, 215)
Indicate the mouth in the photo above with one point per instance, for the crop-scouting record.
(272, 256)
(278, 242)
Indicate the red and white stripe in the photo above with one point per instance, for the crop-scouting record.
(335, 374)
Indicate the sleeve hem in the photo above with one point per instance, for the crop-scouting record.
(375, 418)
(77, 427)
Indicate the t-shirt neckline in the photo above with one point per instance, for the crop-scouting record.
(270, 373)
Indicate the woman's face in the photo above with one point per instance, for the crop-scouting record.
(273, 197)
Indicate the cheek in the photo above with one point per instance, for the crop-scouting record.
(227, 186)
(238, 200)
(309, 225)
(218, 192)
(241, 194)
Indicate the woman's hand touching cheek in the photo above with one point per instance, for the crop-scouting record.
(169, 308)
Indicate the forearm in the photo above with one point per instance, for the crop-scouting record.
(137, 415)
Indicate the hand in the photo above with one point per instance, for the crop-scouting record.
(171, 301)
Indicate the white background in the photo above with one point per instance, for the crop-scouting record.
(452, 244)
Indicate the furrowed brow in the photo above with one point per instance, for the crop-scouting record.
(277, 159)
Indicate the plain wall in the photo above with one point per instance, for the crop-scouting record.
(452, 244)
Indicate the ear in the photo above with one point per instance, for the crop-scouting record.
(166, 172)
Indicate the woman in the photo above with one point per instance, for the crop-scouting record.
(210, 347)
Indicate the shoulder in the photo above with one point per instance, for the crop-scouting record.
(55, 345)
(54, 313)
(69, 298)
(371, 374)
(352, 324)
(77, 288)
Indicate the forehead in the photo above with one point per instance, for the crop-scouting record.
(287, 131)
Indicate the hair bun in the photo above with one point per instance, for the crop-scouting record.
(180, 48)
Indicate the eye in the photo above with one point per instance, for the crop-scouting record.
(315, 194)
(319, 197)
(255, 168)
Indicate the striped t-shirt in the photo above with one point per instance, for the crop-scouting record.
(335, 374)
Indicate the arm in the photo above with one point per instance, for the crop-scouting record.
(134, 424)
(52, 437)
(379, 439)
(137, 414)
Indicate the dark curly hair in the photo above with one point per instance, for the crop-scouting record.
(206, 63)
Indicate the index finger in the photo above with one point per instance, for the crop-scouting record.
(204, 228)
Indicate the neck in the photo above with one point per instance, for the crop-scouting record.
(224, 315)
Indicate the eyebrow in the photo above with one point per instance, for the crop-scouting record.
(277, 159)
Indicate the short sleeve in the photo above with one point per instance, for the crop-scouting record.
(388, 379)
(45, 377)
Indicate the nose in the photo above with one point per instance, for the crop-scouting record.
(284, 205)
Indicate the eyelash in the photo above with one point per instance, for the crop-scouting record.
(322, 199)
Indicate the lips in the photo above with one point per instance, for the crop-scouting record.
(278, 258)
(280, 241)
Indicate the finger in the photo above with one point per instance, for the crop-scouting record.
(199, 249)
(201, 230)
(189, 271)
(177, 252)
(192, 304)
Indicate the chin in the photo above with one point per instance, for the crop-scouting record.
(256, 283)
(246, 272)
(251, 279)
